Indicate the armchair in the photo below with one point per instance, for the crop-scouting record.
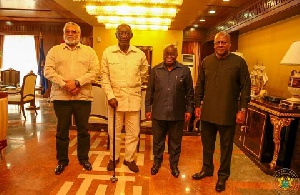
(27, 93)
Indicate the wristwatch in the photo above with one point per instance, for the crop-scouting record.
(243, 110)
(77, 83)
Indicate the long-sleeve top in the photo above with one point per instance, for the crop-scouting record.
(122, 76)
(63, 63)
(221, 84)
(170, 94)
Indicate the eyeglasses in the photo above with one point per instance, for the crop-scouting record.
(123, 33)
(73, 32)
(220, 43)
(169, 54)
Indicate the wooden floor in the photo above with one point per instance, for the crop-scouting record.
(29, 163)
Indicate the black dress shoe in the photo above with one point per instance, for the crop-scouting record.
(201, 175)
(220, 186)
(59, 169)
(175, 172)
(155, 169)
(86, 165)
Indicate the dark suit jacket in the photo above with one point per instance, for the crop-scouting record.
(170, 93)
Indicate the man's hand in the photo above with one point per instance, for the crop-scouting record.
(113, 103)
(187, 116)
(197, 112)
(240, 117)
(148, 116)
(70, 85)
(75, 91)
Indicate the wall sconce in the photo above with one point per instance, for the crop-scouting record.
(292, 57)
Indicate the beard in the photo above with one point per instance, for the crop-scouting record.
(71, 40)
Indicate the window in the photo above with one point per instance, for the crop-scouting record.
(19, 53)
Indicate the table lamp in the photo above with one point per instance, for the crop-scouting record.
(292, 57)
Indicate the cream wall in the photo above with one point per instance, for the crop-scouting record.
(157, 39)
(267, 46)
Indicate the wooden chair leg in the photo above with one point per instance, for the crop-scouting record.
(23, 110)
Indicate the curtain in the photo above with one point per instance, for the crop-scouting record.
(19, 53)
(1, 50)
(37, 46)
(196, 52)
(193, 47)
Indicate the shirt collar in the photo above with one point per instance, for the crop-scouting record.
(177, 65)
(65, 46)
(116, 48)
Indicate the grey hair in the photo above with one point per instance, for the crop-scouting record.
(124, 25)
(223, 33)
(73, 24)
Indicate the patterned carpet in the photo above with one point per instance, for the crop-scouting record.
(28, 167)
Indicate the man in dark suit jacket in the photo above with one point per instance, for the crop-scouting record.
(169, 103)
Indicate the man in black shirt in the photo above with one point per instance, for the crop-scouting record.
(223, 80)
(169, 103)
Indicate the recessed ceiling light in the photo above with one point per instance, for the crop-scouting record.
(212, 11)
(195, 25)
(226, 0)
(202, 20)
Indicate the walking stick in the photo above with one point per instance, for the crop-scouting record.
(114, 179)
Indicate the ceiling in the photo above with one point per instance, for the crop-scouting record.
(66, 10)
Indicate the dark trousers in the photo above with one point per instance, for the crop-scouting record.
(63, 111)
(208, 137)
(160, 129)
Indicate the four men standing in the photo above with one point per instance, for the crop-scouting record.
(223, 81)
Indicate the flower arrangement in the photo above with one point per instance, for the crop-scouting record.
(259, 78)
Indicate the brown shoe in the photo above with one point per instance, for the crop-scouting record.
(131, 165)
(110, 165)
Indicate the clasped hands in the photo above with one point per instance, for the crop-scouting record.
(71, 87)
(239, 119)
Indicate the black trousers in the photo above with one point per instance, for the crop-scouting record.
(160, 129)
(208, 137)
(63, 111)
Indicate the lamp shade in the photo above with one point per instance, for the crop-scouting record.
(292, 56)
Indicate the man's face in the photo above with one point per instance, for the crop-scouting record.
(170, 55)
(124, 35)
(71, 35)
(222, 45)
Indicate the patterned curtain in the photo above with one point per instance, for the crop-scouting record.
(1, 49)
(193, 47)
(37, 47)
(196, 52)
